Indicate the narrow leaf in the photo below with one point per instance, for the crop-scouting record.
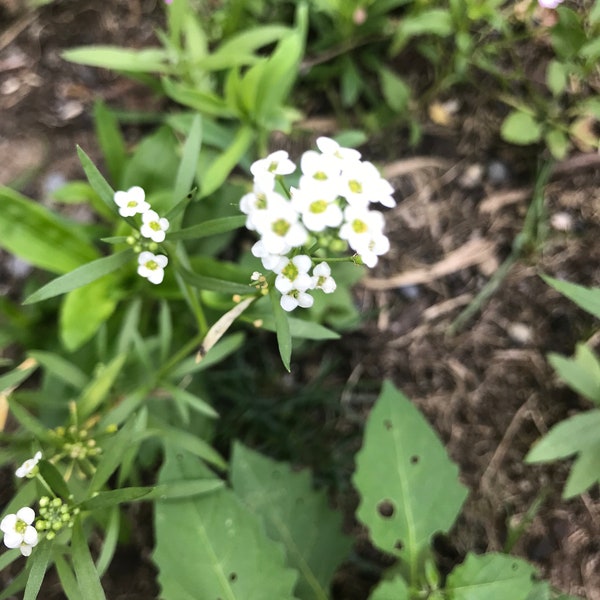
(284, 337)
(39, 566)
(110, 140)
(97, 181)
(582, 372)
(189, 160)
(84, 567)
(586, 298)
(60, 367)
(212, 283)
(212, 227)
(97, 391)
(81, 276)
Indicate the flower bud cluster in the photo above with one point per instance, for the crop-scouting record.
(330, 207)
(54, 516)
(153, 228)
(74, 443)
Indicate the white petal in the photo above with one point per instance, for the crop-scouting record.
(136, 193)
(26, 514)
(144, 257)
(12, 539)
(283, 284)
(161, 260)
(30, 536)
(25, 550)
(288, 303)
(322, 270)
(302, 262)
(8, 523)
(305, 300)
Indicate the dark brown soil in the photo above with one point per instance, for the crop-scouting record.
(488, 390)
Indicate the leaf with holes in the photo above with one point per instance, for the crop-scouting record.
(212, 546)
(408, 486)
(296, 515)
(491, 577)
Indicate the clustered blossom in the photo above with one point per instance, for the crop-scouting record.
(332, 202)
(153, 228)
(18, 530)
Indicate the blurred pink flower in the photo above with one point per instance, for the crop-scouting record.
(549, 3)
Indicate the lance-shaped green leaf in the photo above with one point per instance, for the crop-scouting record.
(491, 577)
(97, 391)
(97, 181)
(212, 283)
(227, 554)
(13, 378)
(577, 435)
(212, 227)
(189, 160)
(150, 60)
(294, 514)
(38, 236)
(282, 327)
(60, 368)
(54, 479)
(191, 400)
(39, 566)
(28, 421)
(81, 276)
(85, 570)
(586, 298)
(110, 139)
(408, 486)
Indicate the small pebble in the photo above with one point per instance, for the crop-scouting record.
(497, 172)
(562, 221)
(520, 333)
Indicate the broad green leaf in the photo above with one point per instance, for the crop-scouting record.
(189, 160)
(582, 372)
(568, 35)
(490, 577)
(212, 227)
(435, 21)
(521, 128)
(111, 140)
(557, 74)
(294, 514)
(558, 143)
(84, 567)
(150, 60)
(99, 388)
(395, 91)
(85, 309)
(219, 169)
(227, 554)
(60, 367)
(395, 589)
(36, 235)
(282, 327)
(408, 486)
(568, 437)
(39, 565)
(81, 276)
(98, 183)
(586, 298)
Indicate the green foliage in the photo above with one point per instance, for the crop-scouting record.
(408, 487)
(227, 554)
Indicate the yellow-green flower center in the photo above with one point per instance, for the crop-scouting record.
(272, 166)
(261, 201)
(155, 225)
(152, 265)
(290, 271)
(359, 226)
(320, 176)
(355, 186)
(20, 526)
(281, 227)
(318, 206)
(132, 203)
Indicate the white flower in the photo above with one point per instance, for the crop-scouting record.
(363, 230)
(361, 183)
(18, 531)
(280, 230)
(319, 169)
(131, 202)
(269, 261)
(153, 226)
(277, 163)
(151, 266)
(293, 281)
(322, 278)
(317, 207)
(256, 203)
(28, 466)
(549, 3)
(328, 146)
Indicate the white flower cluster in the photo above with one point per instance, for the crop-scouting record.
(333, 198)
(131, 203)
(18, 530)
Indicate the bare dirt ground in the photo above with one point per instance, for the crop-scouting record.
(488, 390)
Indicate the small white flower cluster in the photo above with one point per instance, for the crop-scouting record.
(131, 203)
(18, 530)
(333, 198)
(29, 467)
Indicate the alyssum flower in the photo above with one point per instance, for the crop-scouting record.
(153, 226)
(152, 266)
(131, 202)
(28, 468)
(19, 531)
